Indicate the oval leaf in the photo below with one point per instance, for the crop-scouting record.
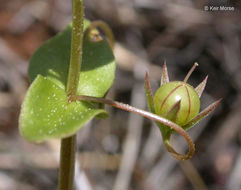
(47, 114)
(97, 70)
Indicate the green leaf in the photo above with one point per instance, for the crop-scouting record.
(97, 70)
(46, 112)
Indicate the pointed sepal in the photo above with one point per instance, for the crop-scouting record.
(199, 89)
(202, 114)
(164, 77)
(149, 95)
(172, 114)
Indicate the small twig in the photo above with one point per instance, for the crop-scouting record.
(132, 142)
(192, 174)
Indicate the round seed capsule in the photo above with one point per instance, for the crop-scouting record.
(177, 101)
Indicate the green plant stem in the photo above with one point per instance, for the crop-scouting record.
(76, 47)
(151, 116)
(67, 163)
(68, 145)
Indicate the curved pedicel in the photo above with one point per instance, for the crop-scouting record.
(174, 110)
(169, 118)
(148, 115)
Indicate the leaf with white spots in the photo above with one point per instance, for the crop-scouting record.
(46, 112)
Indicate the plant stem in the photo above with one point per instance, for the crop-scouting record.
(76, 47)
(68, 145)
(151, 116)
(67, 163)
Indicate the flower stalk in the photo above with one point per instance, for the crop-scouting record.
(170, 121)
(148, 115)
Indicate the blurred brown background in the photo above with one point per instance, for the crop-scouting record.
(125, 151)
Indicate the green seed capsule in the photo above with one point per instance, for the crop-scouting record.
(177, 101)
